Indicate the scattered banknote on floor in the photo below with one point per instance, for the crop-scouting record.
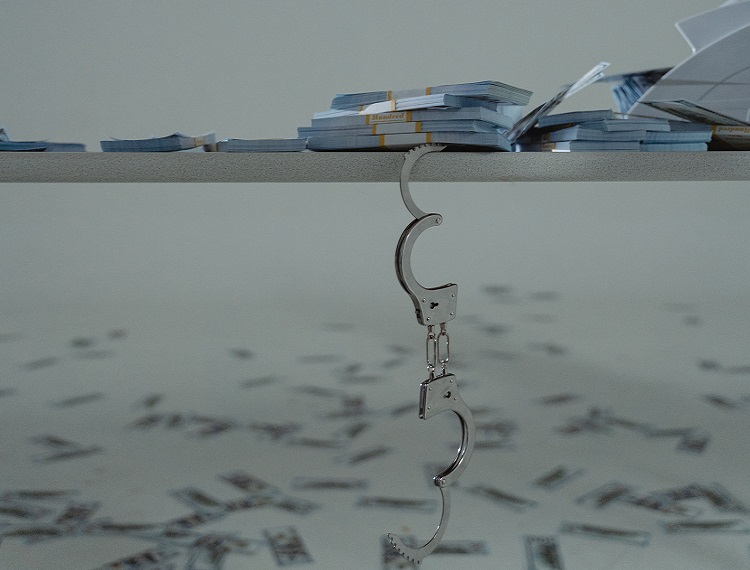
(543, 553)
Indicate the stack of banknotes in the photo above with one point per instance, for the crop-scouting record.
(605, 130)
(170, 143)
(476, 115)
(729, 133)
(8, 145)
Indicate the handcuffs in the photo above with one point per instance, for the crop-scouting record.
(439, 393)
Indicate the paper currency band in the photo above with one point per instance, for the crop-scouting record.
(427, 91)
(417, 128)
(395, 117)
(384, 143)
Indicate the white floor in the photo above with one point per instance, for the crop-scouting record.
(122, 414)
(151, 404)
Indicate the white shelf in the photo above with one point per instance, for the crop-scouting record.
(372, 167)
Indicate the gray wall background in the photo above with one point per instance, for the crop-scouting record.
(90, 69)
(85, 70)
(190, 271)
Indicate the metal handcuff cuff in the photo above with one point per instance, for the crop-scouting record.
(439, 393)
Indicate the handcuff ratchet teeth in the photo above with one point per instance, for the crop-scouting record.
(438, 393)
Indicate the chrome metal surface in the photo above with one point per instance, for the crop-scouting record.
(440, 394)
(417, 554)
(409, 161)
(437, 393)
(432, 306)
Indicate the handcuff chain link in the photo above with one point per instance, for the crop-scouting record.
(444, 351)
(438, 349)
(431, 350)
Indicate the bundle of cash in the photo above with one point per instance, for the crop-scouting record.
(605, 130)
(443, 102)
(412, 121)
(487, 90)
(41, 146)
(7, 145)
(470, 115)
(574, 117)
(396, 128)
(495, 141)
(728, 133)
(171, 143)
(682, 135)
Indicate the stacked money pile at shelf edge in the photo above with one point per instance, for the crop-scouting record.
(605, 130)
(465, 115)
(8, 145)
(176, 142)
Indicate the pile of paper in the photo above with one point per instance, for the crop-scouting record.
(716, 76)
(605, 130)
(466, 114)
(728, 133)
(171, 143)
(710, 87)
(628, 88)
(7, 145)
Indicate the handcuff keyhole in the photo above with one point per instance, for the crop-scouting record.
(433, 305)
(447, 394)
